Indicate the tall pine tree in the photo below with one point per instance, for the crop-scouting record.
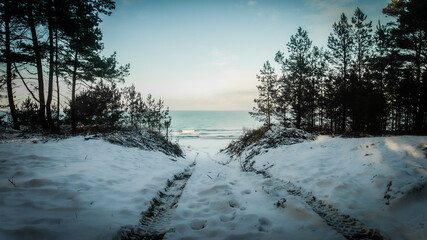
(264, 109)
(341, 45)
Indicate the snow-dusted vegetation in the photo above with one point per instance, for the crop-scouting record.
(255, 141)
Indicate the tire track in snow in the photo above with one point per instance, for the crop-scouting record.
(349, 227)
(153, 222)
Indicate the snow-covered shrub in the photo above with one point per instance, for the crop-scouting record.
(255, 141)
(144, 139)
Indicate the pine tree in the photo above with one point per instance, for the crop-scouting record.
(33, 16)
(363, 41)
(134, 106)
(299, 71)
(341, 45)
(282, 97)
(317, 88)
(7, 9)
(264, 109)
(99, 105)
(281, 101)
(411, 38)
(84, 48)
(150, 116)
(361, 90)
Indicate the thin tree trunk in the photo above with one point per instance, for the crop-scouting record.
(73, 95)
(343, 120)
(57, 80)
(268, 102)
(344, 106)
(419, 108)
(51, 67)
(9, 70)
(37, 54)
(298, 120)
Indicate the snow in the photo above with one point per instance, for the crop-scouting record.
(353, 174)
(77, 189)
(222, 202)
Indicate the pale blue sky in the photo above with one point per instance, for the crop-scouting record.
(205, 54)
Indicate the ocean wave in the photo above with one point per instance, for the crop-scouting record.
(207, 133)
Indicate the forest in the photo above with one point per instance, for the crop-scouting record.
(370, 79)
(59, 42)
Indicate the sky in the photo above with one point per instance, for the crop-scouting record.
(205, 54)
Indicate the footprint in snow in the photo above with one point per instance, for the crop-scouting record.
(215, 190)
(228, 217)
(235, 204)
(245, 192)
(198, 224)
(264, 224)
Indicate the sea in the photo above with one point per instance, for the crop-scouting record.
(210, 124)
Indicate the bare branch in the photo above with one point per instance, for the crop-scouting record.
(30, 72)
(25, 84)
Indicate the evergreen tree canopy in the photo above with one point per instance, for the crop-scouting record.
(267, 90)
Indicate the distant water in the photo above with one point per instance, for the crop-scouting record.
(210, 124)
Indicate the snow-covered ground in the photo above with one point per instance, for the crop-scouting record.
(381, 181)
(222, 202)
(77, 189)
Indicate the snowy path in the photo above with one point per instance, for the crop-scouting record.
(349, 227)
(222, 202)
(154, 221)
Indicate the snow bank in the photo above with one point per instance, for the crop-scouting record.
(380, 180)
(77, 189)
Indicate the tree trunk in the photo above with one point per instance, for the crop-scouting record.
(298, 117)
(419, 108)
(37, 54)
(344, 117)
(57, 80)
(284, 117)
(51, 67)
(9, 70)
(268, 106)
(344, 85)
(73, 94)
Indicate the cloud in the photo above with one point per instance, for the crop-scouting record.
(321, 14)
(252, 3)
(330, 9)
(222, 59)
(322, 4)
